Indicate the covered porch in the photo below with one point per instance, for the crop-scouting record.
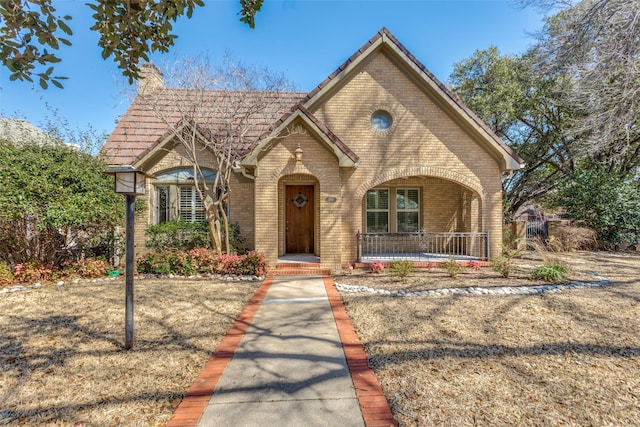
(422, 246)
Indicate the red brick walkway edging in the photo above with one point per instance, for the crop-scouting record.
(373, 403)
(195, 402)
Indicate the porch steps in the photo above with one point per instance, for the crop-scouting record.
(299, 268)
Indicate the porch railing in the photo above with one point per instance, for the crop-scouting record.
(422, 245)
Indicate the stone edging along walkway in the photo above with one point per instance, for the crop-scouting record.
(472, 290)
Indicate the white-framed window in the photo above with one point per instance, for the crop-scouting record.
(176, 197)
(377, 211)
(191, 207)
(407, 210)
(403, 216)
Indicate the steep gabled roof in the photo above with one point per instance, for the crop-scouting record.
(346, 157)
(384, 39)
(149, 120)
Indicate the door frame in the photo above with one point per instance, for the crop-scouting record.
(282, 222)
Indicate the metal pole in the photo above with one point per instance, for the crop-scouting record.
(128, 321)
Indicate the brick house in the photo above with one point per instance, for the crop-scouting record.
(392, 162)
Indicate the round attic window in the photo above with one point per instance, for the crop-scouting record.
(381, 120)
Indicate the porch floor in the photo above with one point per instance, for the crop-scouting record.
(415, 256)
(298, 258)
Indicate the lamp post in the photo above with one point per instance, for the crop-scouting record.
(131, 183)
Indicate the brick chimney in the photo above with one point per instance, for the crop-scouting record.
(150, 79)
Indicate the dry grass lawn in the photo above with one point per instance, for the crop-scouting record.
(61, 349)
(569, 358)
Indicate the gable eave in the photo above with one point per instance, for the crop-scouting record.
(345, 157)
(508, 159)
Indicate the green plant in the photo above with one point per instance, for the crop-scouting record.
(401, 268)
(452, 267)
(33, 272)
(178, 235)
(89, 268)
(503, 264)
(52, 195)
(603, 201)
(6, 277)
(236, 240)
(253, 263)
(553, 272)
(202, 260)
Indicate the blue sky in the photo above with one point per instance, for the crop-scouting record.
(305, 39)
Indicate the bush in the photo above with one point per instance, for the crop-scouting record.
(253, 263)
(475, 265)
(503, 264)
(202, 260)
(603, 201)
(401, 268)
(33, 272)
(6, 276)
(572, 238)
(89, 268)
(55, 201)
(452, 267)
(178, 235)
(376, 267)
(553, 272)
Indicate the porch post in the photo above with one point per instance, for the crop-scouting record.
(358, 239)
(488, 248)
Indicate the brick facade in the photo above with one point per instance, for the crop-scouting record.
(430, 146)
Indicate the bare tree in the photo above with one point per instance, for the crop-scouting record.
(216, 114)
(596, 43)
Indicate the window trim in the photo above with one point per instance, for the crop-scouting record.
(406, 210)
(367, 210)
(196, 205)
(392, 210)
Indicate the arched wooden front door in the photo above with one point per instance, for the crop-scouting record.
(299, 219)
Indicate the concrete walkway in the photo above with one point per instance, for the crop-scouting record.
(288, 361)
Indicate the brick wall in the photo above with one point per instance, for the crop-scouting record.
(465, 190)
(425, 148)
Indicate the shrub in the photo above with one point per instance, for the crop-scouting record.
(52, 195)
(178, 235)
(89, 268)
(401, 268)
(155, 263)
(202, 260)
(6, 277)
(573, 238)
(348, 268)
(503, 264)
(452, 267)
(229, 263)
(253, 263)
(553, 272)
(33, 272)
(376, 267)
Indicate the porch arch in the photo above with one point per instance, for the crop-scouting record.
(470, 182)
